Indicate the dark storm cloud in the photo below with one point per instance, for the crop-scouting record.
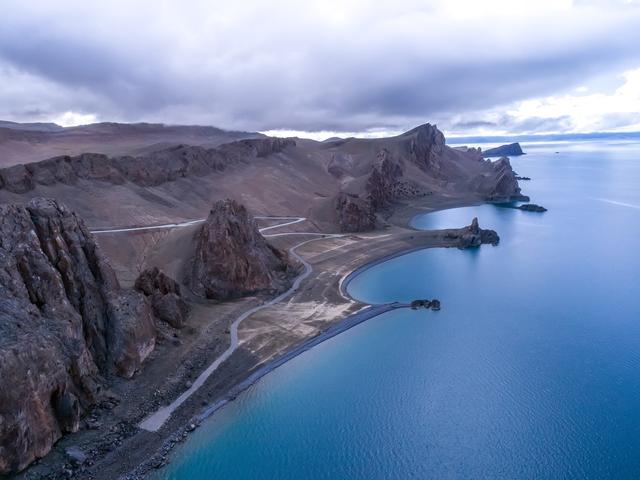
(255, 66)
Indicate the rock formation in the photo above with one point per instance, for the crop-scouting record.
(65, 323)
(147, 170)
(381, 184)
(506, 186)
(426, 147)
(164, 294)
(511, 150)
(354, 214)
(531, 207)
(473, 236)
(233, 259)
(426, 304)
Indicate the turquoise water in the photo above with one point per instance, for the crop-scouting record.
(530, 370)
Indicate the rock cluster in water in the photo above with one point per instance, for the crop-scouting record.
(233, 259)
(65, 325)
(427, 304)
(531, 207)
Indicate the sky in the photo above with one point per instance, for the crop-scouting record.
(320, 68)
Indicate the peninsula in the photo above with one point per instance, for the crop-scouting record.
(143, 289)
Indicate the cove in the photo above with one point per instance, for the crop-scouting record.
(530, 370)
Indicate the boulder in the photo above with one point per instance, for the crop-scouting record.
(165, 296)
(75, 455)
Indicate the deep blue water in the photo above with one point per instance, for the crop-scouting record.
(530, 370)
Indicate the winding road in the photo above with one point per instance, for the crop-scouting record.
(188, 223)
(154, 422)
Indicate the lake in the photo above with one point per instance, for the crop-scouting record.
(530, 370)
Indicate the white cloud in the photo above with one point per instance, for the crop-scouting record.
(590, 112)
(319, 66)
(71, 119)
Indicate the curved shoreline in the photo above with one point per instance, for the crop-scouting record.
(345, 324)
(349, 277)
(369, 311)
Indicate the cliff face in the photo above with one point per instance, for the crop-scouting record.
(409, 166)
(147, 170)
(64, 324)
(382, 182)
(354, 214)
(505, 184)
(232, 258)
(426, 147)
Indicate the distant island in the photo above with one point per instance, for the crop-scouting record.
(510, 150)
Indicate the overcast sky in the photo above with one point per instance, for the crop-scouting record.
(349, 66)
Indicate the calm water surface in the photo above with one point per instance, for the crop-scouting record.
(530, 370)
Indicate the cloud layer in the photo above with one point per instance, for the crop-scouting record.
(317, 65)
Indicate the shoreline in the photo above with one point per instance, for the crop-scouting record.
(159, 460)
(353, 320)
(321, 304)
(369, 311)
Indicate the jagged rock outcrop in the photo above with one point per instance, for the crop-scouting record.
(354, 214)
(264, 147)
(149, 170)
(426, 147)
(165, 296)
(505, 184)
(65, 323)
(510, 150)
(381, 184)
(233, 259)
(473, 236)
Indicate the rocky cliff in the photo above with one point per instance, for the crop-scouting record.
(232, 258)
(504, 183)
(415, 164)
(148, 170)
(354, 214)
(426, 147)
(65, 324)
(383, 181)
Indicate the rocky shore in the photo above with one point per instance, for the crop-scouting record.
(93, 356)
